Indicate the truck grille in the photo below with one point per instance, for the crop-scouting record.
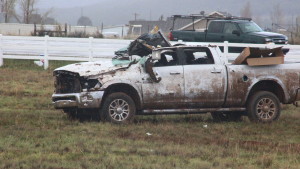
(279, 41)
(66, 83)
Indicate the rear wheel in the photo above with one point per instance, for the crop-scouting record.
(264, 107)
(226, 116)
(118, 108)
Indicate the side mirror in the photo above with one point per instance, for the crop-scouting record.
(236, 32)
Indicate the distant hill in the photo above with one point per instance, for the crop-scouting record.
(112, 12)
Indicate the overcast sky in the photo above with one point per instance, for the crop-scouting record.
(114, 12)
(65, 3)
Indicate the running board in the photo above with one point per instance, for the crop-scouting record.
(204, 110)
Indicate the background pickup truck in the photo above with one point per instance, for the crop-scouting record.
(177, 79)
(231, 30)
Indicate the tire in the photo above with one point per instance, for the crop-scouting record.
(263, 107)
(118, 108)
(226, 116)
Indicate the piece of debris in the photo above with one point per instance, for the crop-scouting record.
(259, 57)
(205, 125)
(149, 134)
(39, 62)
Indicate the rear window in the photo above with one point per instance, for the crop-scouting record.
(216, 27)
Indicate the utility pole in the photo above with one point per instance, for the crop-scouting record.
(2, 3)
(135, 16)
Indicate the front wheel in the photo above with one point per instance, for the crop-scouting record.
(118, 108)
(263, 107)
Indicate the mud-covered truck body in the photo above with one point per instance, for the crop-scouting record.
(177, 79)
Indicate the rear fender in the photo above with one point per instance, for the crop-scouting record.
(262, 79)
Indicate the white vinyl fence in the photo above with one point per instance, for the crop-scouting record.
(88, 49)
(54, 48)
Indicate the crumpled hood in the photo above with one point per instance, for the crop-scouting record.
(91, 68)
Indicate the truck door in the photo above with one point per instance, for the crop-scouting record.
(168, 92)
(232, 33)
(205, 78)
(215, 32)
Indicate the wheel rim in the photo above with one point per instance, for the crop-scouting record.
(119, 109)
(266, 108)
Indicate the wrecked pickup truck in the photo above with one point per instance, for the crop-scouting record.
(176, 79)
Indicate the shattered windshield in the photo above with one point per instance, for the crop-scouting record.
(248, 27)
(122, 61)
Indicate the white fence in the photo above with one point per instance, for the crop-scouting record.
(53, 48)
(89, 49)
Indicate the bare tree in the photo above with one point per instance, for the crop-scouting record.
(46, 15)
(161, 18)
(84, 21)
(27, 8)
(277, 16)
(298, 25)
(258, 20)
(246, 11)
(9, 9)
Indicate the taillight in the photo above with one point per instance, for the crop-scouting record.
(171, 36)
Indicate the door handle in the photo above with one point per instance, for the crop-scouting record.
(174, 73)
(216, 70)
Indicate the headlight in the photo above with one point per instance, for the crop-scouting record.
(91, 84)
(286, 38)
(268, 40)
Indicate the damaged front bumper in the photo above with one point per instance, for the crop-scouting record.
(78, 100)
(297, 101)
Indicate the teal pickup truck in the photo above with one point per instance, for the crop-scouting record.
(234, 30)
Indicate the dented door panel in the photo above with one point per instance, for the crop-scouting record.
(205, 85)
(167, 92)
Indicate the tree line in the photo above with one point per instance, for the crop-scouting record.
(27, 9)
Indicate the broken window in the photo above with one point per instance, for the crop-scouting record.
(168, 58)
(198, 56)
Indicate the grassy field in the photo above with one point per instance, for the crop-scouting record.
(34, 135)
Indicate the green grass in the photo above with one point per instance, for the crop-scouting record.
(34, 135)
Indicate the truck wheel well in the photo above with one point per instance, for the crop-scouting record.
(125, 88)
(268, 85)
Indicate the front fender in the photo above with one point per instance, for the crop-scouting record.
(136, 85)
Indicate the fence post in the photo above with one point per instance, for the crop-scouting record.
(91, 48)
(1, 50)
(225, 48)
(46, 57)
